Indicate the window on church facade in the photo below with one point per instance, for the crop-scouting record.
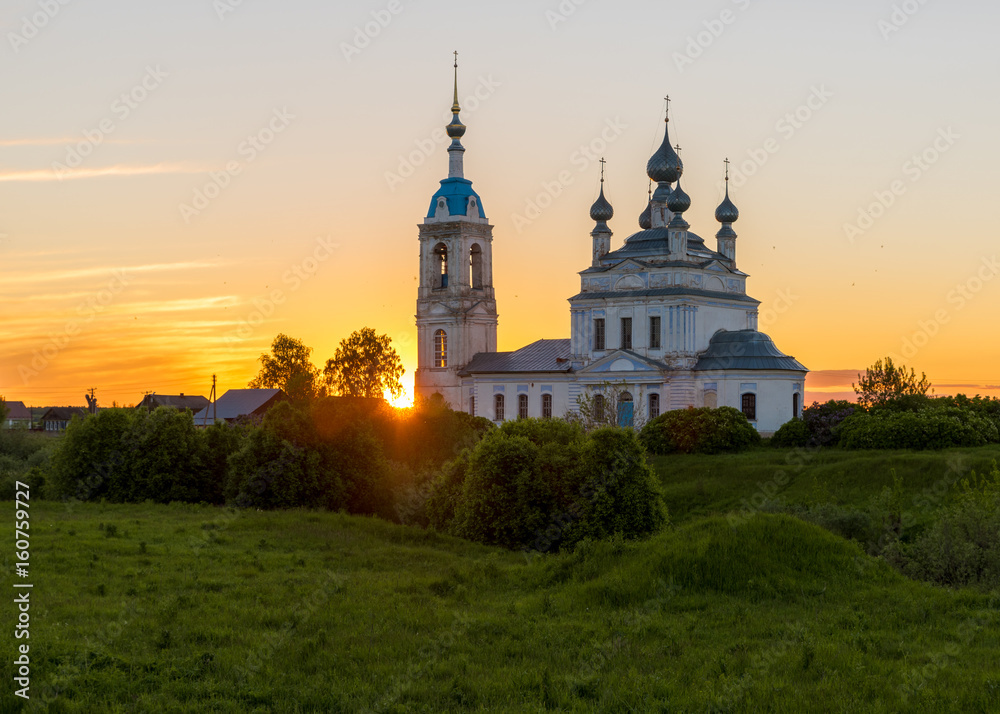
(599, 407)
(440, 348)
(522, 406)
(546, 406)
(441, 255)
(599, 342)
(795, 405)
(654, 333)
(498, 407)
(750, 406)
(476, 267)
(626, 333)
(654, 406)
(472, 406)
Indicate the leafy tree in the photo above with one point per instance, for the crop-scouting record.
(289, 369)
(883, 383)
(365, 365)
(610, 404)
(3, 411)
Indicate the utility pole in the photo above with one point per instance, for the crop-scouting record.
(211, 397)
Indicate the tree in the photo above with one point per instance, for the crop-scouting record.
(611, 404)
(365, 365)
(884, 383)
(3, 411)
(289, 369)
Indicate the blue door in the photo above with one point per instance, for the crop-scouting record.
(626, 410)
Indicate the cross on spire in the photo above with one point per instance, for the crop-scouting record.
(727, 169)
(667, 100)
(602, 168)
(455, 108)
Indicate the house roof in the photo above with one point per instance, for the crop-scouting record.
(665, 292)
(17, 410)
(238, 403)
(181, 401)
(541, 356)
(746, 350)
(64, 413)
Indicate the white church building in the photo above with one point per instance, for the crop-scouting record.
(665, 318)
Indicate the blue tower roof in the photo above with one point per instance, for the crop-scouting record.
(457, 191)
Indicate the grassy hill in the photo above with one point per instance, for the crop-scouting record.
(186, 608)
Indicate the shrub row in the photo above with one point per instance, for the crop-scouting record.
(699, 431)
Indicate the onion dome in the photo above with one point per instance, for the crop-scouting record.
(727, 212)
(679, 201)
(665, 166)
(602, 211)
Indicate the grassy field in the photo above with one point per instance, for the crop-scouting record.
(184, 608)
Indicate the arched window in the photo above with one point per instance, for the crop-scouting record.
(750, 406)
(522, 406)
(795, 405)
(441, 256)
(440, 348)
(546, 406)
(476, 267)
(498, 407)
(654, 406)
(472, 406)
(626, 410)
(599, 407)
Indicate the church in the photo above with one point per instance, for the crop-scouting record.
(664, 322)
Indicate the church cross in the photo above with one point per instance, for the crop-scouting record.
(602, 168)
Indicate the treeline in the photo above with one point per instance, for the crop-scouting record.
(342, 454)
(908, 422)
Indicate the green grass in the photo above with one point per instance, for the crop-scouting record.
(183, 608)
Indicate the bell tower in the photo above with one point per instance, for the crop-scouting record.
(456, 305)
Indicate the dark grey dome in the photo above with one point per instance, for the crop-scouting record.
(745, 350)
(602, 211)
(679, 201)
(727, 211)
(665, 165)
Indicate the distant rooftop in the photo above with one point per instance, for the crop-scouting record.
(541, 356)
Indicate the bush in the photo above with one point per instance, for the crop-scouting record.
(938, 428)
(129, 456)
(794, 433)
(699, 431)
(545, 485)
(963, 547)
(822, 420)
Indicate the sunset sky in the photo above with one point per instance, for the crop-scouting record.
(180, 182)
